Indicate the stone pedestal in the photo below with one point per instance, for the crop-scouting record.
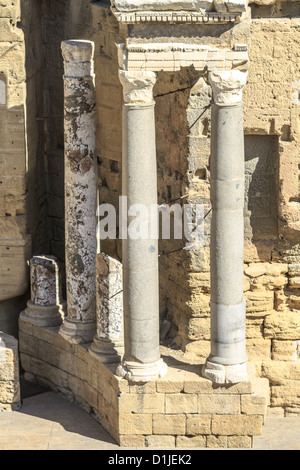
(45, 307)
(80, 191)
(227, 361)
(142, 360)
(108, 344)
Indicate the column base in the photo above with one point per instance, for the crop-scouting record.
(78, 332)
(221, 374)
(108, 351)
(44, 315)
(138, 372)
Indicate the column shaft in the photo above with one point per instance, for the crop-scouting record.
(227, 236)
(80, 191)
(227, 361)
(142, 360)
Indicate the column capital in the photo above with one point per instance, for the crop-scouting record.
(138, 86)
(78, 57)
(228, 86)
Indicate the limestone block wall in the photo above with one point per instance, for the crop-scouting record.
(21, 177)
(180, 410)
(14, 241)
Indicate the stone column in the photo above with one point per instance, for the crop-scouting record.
(142, 361)
(80, 191)
(227, 361)
(108, 344)
(45, 308)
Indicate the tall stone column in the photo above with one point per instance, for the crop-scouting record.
(45, 308)
(227, 361)
(142, 361)
(80, 191)
(108, 344)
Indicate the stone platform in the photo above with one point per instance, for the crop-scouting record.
(182, 409)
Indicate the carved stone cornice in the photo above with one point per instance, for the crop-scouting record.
(178, 11)
(171, 17)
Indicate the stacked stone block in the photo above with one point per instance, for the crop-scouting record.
(14, 242)
(180, 410)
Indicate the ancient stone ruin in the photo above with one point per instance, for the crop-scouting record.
(150, 213)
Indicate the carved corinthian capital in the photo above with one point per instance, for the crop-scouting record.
(137, 86)
(228, 86)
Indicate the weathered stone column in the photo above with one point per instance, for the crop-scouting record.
(108, 344)
(80, 191)
(45, 307)
(142, 361)
(227, 361)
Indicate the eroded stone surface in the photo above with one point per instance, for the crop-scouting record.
(228, 86)
(80, 186)
(177, 5)
(109, 297)
(137, 86)
(45, 281)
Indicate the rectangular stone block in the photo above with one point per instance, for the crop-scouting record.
(140, 403)
(217, 442)
(193, 383)
(239, 425)
(285, 350)
(169, 424)
(163, 442)
(131, 441)
(198, 424)
(219, 404)
(147, 388)
(253, 405)
(239, 442)
(135, 424)
(191, 442)
(169, 386)
(181, 403)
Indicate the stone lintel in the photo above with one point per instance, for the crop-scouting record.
(172, 56)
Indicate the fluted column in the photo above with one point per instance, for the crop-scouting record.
(227, 361)
(80, 191)
(142, 361)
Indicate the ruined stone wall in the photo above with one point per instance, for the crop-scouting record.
(271, 98)
(21, 160)
(271, 107)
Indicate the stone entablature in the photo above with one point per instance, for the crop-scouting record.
(176, 12)
(170, 57)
